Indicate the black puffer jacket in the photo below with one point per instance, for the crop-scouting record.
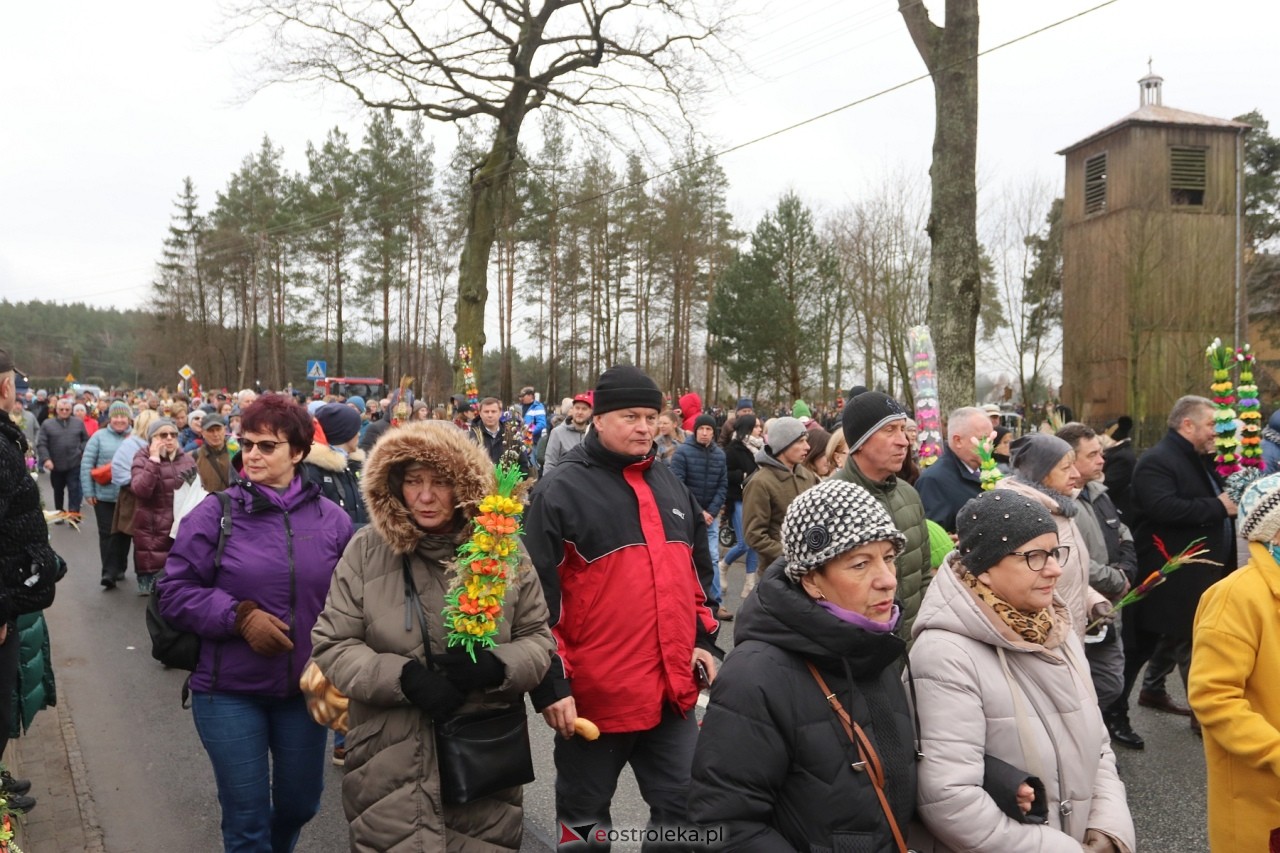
(742, 464)
(773, 764)
(24, 535)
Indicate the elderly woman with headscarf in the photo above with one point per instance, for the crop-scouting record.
(157, 473)
(1015, 753)
(423, 485)
(1043, 471)
(1233, 687)
(808, 743)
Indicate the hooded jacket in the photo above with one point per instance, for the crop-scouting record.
(338, 477)
(794, 787)
(391, 787)
(902, 503)
(560, 440)
(704, 471)
(621, 548)
(153, 485)
(1236, 697)
(765, 499)
(690, 408)
(280, 553)
(1271, 444)
(968, 709)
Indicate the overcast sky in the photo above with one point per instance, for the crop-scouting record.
(107, 106)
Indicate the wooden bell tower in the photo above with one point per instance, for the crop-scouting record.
(1148, 259)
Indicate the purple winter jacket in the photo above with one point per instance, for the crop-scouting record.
(281, 553)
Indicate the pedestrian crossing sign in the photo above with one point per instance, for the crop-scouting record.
(316, 369)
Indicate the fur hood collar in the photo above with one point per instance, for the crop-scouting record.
(325, 457)
(441, 446)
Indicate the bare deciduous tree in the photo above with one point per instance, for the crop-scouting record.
(498, 61)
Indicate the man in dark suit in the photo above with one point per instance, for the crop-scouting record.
(1178, 497)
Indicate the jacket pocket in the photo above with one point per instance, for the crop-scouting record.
(848, 842)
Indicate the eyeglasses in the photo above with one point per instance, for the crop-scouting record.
(166, 435)
(266, 448)
(1039, 558)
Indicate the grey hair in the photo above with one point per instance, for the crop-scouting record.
(961, 415)
(1185, 407)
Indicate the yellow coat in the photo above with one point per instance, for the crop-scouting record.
(1235, 692)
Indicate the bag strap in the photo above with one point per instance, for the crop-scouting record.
(870, 763)
(224, 531)
(413, 602)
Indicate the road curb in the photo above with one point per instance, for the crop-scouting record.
(80, 780)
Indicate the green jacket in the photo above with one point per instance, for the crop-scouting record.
(35, 688)
(903, 504)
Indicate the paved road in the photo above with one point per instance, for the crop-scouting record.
(153, 787)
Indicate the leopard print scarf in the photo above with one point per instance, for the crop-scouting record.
(1032, 627)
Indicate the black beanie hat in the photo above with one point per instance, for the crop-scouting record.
(865, 414)
(339, 421)
(703, 420)
(625, 386)
(996, 523)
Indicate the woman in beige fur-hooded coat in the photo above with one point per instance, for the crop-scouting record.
(391, 788)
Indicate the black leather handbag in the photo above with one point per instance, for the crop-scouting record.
(477, 754)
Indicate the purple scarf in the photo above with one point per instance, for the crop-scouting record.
(860, 621)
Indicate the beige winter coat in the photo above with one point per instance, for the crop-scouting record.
(391, 788)
(967, 709)
(1073, 585)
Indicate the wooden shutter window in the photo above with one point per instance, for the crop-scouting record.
(1095, 184)
(1187, 176)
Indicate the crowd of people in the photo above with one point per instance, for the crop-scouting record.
(923, 658)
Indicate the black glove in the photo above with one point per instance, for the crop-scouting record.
(430, 691)
(485, 671)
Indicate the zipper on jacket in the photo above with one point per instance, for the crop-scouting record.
(293, 595)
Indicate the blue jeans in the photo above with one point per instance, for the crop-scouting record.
(713, 542)
(264, 803)
(740, 547)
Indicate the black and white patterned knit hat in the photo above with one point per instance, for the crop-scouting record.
(831, 518)
(1260, 507)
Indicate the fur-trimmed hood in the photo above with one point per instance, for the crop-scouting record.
(437, 444)
(325, 457)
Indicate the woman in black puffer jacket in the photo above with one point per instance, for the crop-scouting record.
(741, 460)
(828, 602)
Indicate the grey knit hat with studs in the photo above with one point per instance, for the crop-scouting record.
(996, 523)
(829, 519)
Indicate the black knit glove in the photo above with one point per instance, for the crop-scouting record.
(430, 691)
(485, 671)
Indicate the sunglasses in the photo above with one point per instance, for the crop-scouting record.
(266, 448)
(166, 435)
(1039, 558)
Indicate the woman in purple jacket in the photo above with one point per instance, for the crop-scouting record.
(254, 613)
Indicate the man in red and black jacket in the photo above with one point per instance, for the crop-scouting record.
(621, 548)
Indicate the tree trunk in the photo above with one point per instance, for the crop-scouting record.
(488, 187)
(950, 54)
